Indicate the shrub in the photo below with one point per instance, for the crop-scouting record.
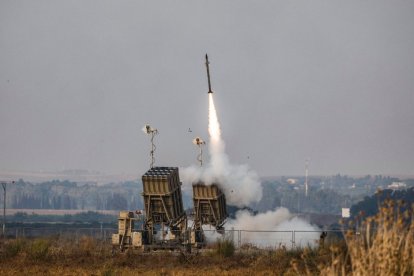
(38, 250)
(225, 247)
(383, 246)
(108, 271)
(87, 245)
(14, 247)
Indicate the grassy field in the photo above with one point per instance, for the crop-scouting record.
(61, 256)
(384, 245)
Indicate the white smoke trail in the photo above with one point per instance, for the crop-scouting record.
(219, 160)
(239, 183)
(269, 229)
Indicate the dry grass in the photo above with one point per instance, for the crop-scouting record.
(383, 246)
(224, 248)
(63, 256)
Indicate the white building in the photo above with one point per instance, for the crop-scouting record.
(397, 185)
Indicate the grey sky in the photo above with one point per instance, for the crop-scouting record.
(329, 80)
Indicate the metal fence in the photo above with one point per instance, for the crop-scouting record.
(30, 232)
(275, 239)
(241, 238)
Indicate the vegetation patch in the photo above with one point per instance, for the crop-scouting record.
(13, 247)
(39, 250)
(224, 248)
(381, 245)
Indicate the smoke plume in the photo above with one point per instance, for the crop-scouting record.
(241, 186)
(278, 220)
(270, 229)
(239, 183)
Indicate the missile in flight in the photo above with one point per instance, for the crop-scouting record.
(208, 75)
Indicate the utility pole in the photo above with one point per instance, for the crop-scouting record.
(306, 176)
(4, 185)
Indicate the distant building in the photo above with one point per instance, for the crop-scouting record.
(292, 181)
(346, 213)
(397, 185)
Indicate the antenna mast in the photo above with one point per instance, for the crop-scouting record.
(151, 131)
(200, 143)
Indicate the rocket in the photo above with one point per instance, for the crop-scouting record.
(208, 75)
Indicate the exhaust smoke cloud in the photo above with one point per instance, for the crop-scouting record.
(270, 229)
(239, 183)
(278, 220)
(242, 186)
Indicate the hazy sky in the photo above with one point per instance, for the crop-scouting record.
(329, 80)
